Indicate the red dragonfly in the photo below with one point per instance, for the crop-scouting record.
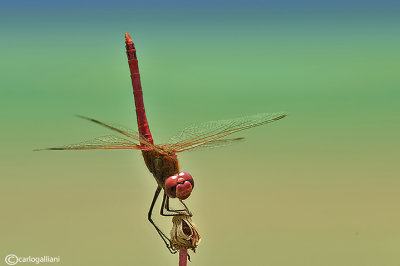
(162, 159)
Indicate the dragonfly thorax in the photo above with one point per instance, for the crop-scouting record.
(161, 165)
(165, 169)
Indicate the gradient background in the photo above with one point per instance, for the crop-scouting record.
(320, 187)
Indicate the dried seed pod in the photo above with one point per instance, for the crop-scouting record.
(184, 233)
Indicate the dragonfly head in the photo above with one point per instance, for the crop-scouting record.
(179, 186)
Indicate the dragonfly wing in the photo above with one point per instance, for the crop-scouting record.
(102, 143)
(214, 131)
(215, 144)
(122, 130)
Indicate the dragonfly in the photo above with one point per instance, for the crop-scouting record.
(161, 159)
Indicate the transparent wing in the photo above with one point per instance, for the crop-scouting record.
(127, 133)
(214, 144)
(122, 130)
(212, 133)
(103, 143)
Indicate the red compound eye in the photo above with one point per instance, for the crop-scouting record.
(179, 186)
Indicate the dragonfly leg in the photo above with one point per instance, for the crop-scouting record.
(166, 240)
(186, 208)
(165, 205)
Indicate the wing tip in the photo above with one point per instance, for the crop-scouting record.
(83, 117)
(281, 116)
(50, 149)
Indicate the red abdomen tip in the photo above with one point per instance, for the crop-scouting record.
(127, 38)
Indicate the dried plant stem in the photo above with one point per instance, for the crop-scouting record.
(182, 256)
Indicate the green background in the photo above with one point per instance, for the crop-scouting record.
(320, 187)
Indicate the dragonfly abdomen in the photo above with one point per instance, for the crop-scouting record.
(143, 126)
